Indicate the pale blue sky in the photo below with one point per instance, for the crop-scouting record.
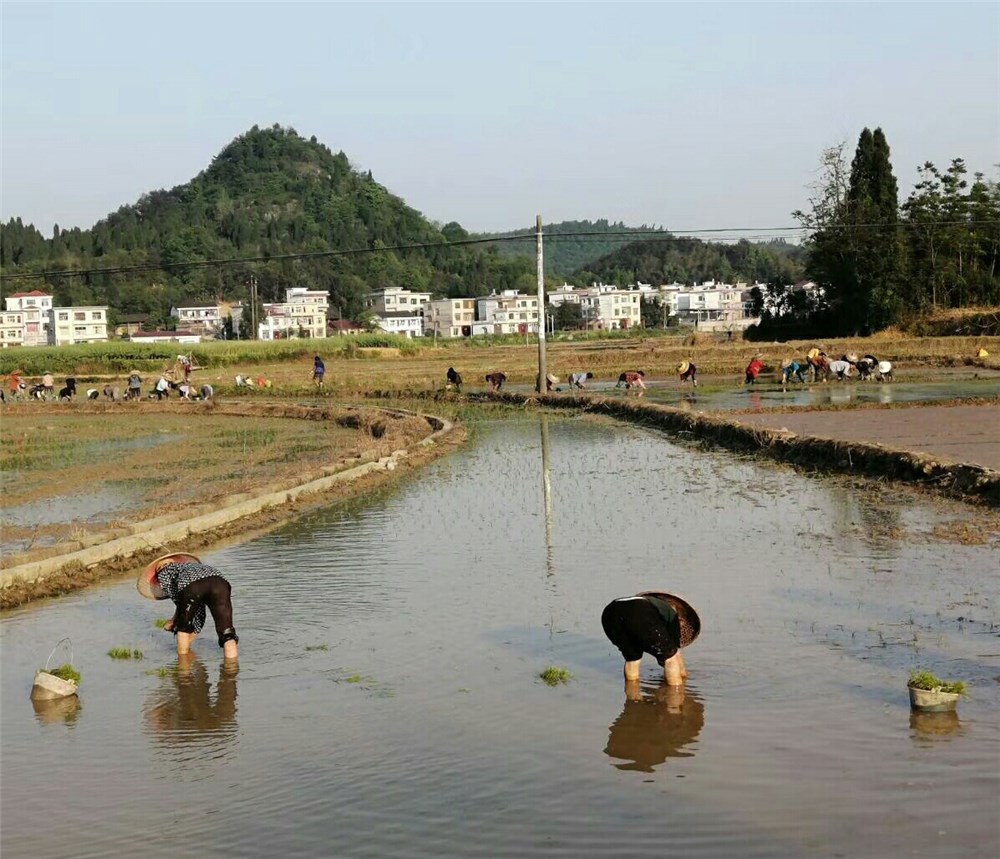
(688, 116)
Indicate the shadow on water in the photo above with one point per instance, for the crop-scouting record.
(655, 724)
(58, 711)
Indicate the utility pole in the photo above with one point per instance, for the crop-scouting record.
(253, 307)
(542, 371)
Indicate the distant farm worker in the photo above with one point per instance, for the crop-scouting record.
(579, 380)
(652, 622)
(551, 381)
(841, 368)
(207, 392)
(162, 388)
(688, 373)
(982, 353)
(186, 391)
(818, 364)
(134, 386)
(866, 367)
(194, 587)
(753, 370)
(319, 370)
(48, 385)
(633, 379)
(496, 380)
(454, 379)
(186, 366)
(791, 369)
(14, 383)
(112, 392)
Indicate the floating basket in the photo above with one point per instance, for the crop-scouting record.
(933, 700)
(48, 687)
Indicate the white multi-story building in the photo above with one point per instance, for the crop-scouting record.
(406, 324)
(78, 325)
(11, 328)
(35, 307)
(450, 317)
(510, 312)
(396, 299)
(205, 319)
(302, 314)
(603, 305)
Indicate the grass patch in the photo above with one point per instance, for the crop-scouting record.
(160, 672)
(64, 672)
(926, 680)
(124, 653)
(553, 676)
(310, 647)
(161, 622)
(355, 678)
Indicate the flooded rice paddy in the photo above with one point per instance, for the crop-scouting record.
(388, 703)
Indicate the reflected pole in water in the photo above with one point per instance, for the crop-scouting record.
(547, 495)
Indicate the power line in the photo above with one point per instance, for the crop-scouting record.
(738, 234)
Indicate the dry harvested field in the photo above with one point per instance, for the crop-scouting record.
(68, 472)
(420, 366)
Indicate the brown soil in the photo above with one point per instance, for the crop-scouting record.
(955, 433)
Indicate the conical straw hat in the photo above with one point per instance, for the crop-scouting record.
(683, 366)
(146, 584)
(690, 623)
(786, 363)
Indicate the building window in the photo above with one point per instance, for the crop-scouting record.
(64, 317)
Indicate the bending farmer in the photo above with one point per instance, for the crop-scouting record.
(652, 622)
(194, 587)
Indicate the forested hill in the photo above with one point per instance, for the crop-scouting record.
(268, 193)
(571, 253)
(685, 260)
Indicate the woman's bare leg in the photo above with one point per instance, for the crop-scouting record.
(672, 671)
(632, 670)
(184, 641)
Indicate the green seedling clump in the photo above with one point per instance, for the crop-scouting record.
(161, 622)
(355, 678)
(317, 647)
(124, 653)
(553, 676)
(64, 672)
(926, 680)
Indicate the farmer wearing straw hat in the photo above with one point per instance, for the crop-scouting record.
(652, 622)
(194, 587)
(790, 368)
(688, 373)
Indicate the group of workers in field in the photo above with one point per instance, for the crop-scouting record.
(815, 366)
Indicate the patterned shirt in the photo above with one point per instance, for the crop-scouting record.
(173, 578)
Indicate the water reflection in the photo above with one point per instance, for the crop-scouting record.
(654, 725)
(547, 494)
(57, 711)
(928, 728)
(182, 713)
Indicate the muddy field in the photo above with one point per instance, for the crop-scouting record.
(959, 433)
(69, 472)
(388, 701)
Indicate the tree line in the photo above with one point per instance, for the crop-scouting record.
(881, 262)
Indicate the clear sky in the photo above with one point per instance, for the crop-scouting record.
(684, 116)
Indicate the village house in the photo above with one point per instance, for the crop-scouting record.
(11, 328)
(204, 319)
(337, 327)
(406, 324)
(603, 306)
(35, 307)
(510, 312)
(396, 299)
(78, 325)
(302, 314)
(450, 317)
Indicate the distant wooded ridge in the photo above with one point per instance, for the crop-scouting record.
(272, 193)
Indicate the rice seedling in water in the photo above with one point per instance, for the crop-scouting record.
(317, 647)
(355, 678)
(64, 672)
(553, 676)
(160, 672)
(124, 653)
(161, 622)
(926, 680)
